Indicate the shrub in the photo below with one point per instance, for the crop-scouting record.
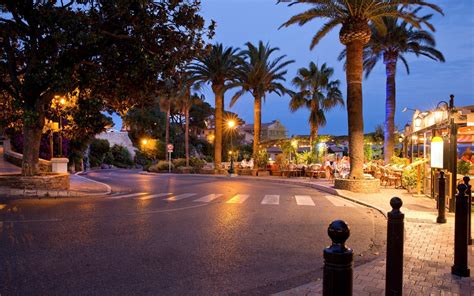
(119, 156)
(463, 167)
(142, 159)
(281, 161)
(307, 157)
(97, 152)
(399, 160)
(261, 159)
(179, 162)
(409, 177)
(197, 163)
(161, 166)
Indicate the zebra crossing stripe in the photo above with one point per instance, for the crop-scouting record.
(153, 196)
(179, 197)
(271, 200)
(208, 198)
(128, 195)
(338, 202)
(304, 200)
(239, 198)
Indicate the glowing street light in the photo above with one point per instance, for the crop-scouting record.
(144, 141)
(231, 125)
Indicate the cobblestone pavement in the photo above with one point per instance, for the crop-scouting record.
(428, 252)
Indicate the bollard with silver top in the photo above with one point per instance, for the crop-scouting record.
(338, 262)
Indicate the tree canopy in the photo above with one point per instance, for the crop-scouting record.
(117, 52)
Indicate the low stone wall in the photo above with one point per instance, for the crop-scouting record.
(362, 186)
(47, 181)
(17, 158)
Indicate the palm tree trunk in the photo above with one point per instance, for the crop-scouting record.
(219, 96)
(354, 108)
(167, 129)
(388, 146)
(313, 134)
(257, 111)
(186, 135)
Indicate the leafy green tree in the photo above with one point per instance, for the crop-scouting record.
(391, 46)
(317, 93)
(355, 17)
(116, 50)
(218, 68)
(97, 151)
(259, 74)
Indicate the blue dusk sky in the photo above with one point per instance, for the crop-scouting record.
(240, 21)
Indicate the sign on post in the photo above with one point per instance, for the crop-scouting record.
(169, 148)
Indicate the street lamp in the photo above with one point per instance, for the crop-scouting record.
(231, 125)
(59, 102)
(144, 141)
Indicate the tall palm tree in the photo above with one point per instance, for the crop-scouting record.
(166, 101)
(399, 39)
(218, 67)
(355, 17)
(185, 101)
(259, 75)
(317, 93)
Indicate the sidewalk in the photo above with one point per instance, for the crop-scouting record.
(428, 252)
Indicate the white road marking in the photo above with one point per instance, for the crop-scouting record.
(208, 198)
(338, 202)
(128, 195)
(271, 200)
(31, 221)
(181, 196)
(153, 196)
(304, 200)
(239, 198)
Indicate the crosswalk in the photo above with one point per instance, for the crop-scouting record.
(268, 199)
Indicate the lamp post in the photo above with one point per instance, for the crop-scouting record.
(231, 125)
(59, 101)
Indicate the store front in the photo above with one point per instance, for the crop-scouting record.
(452, 129)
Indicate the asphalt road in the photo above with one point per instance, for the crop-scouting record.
(176, 235)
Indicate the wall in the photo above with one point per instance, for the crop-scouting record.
(118, 138)
(17, 158)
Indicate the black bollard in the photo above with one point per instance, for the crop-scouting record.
(466, 180)
(338, 262)
(395, 235)
(460, 267)
(441, 198)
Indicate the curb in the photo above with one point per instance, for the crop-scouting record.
(109, 189)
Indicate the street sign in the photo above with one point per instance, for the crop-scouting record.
(169, 148)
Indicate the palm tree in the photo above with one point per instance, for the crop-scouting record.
(167, 97)
(355, 17)
(218, 67)
(317, 93)
(390, 46)
(258, 74)
(185, 102)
